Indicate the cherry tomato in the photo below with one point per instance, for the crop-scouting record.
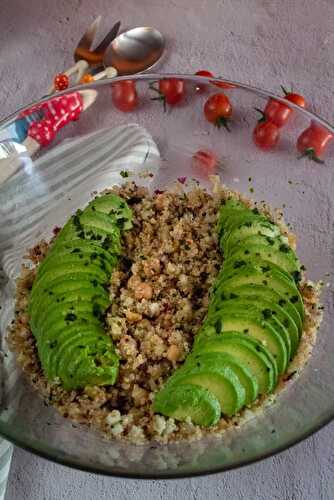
(124, 95)
(223, 85)
(313, 141)
(266, 135)
(205, 160)
(200, 87)
(218, 110)
(171, 90)
(279, 113)
(296, 99)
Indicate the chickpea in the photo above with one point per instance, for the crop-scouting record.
(173, 353)
(143, 291)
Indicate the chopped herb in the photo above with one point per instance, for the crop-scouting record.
(239, 263)
(284, 248)
(124, 173)
(267, 313)
(70, 317)
(251, 190)
(296, 275)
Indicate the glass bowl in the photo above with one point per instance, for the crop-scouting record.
(40, 188)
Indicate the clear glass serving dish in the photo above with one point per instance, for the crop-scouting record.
(40, 188)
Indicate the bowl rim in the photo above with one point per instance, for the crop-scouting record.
(324, 421)
(234, 85)
(175, 475)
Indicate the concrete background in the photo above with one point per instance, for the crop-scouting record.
(262, 42)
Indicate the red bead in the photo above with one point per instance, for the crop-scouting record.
(61, 81)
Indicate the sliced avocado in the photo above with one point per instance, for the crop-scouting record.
(48, 302)
(69, 296)
(77, 260)
(67, 312)
(257, 226)
(71, 231)
(219, 380)
(262, 275)
(249, 351)
(50, 345)
(239, 219)
(249, 323)
(58, 289)
(234, 263)
(68, 359)
(80, 358)
(99, 221)
(83, 250)
(182, 401)
(282, 258)
(264, 310)
(112, 204)
(259, 291)
(285, 324)
(228, 209)
(61, 332)
(68, 281)
(69, 271)
(246, 378)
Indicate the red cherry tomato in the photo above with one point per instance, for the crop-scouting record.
(221, 85)
(200, 87)
(205, 160)
(171, 90)
(218, 110)
(313, 141)
(279, 113)
(266, 135)
(124, 95)
(296, 99)
(204, 72)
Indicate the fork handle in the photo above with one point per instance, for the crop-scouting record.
(80, 68)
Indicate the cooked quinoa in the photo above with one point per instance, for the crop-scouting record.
(159, 297)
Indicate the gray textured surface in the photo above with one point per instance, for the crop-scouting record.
(265, 43)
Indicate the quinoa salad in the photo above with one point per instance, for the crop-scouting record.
(159, 297)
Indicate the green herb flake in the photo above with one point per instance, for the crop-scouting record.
(124, 173)
(70, 317)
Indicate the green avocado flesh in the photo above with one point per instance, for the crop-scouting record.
(253, 325)
(69, 296)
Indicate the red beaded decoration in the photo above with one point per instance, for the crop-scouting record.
(61, 81)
